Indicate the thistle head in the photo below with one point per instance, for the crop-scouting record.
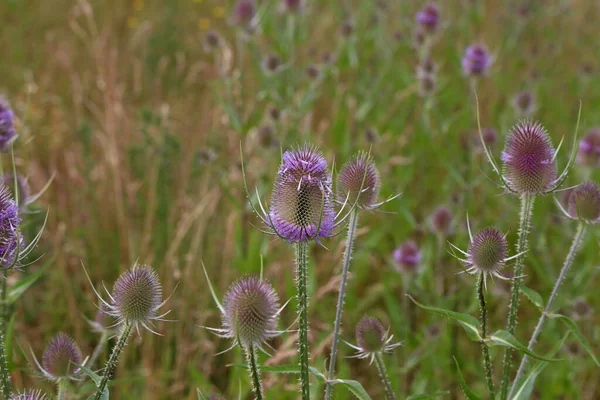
(407, 257)
(61, 358)
(584, 203)
(7, 128)
(524, 103)
(589, 149)
(137, 296)
(372, 338)
(359, 181)
(29, 394)
(10, 236)
(487, 252)
(251, 311)
(476, 60)
(528, 159)
(441, 220)
(428, 17)
(301, 204)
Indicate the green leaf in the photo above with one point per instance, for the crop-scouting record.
(468, 322)
(200, 395)
(427, 396)
(533, 296)
(527, 387)
(463, 385)
(16, 290)
(8, 344)
(97, 379)
(575, 330)
(353, 387)
(504, 338)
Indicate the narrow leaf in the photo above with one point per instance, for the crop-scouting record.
(200, 395)
(353, 387)
(463, 385)
(504, 338)
(21, 286)
(572, 326)
(533, 296)
(96, 378)
(427, 396)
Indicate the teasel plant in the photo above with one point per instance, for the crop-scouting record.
(372, 342)
(583, 206)
(135, 302)
(358, 184)
(301, 212)
(249, 312)
(528, 170)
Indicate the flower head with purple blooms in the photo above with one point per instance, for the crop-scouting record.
(10, 238)
(476, 60)
(441, 220)
(7, 128)
(244, 12)
(22, 187)
(429, 17)
(407, 256)
(61, 358)
(29, 394)
(528, 158)
(372, 339)
(301, 203)
(584, 203)
(359, 182)
(589, 149)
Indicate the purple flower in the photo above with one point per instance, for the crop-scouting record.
(441, 220)
(29, 394)
(584, 203)
(10, 237)
(22, 187)
(407, 256)
(487, 251)
(61, 358)
(428, 17)
(7, 129)
(589, 149)
(524, 103)
(528, 159)
(477, 60)
(372, 338)
(301, 203)
(244, 12)
(359, 181)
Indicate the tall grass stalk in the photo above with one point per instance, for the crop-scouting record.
(487, 362)
(561, 277)
(302, 296)
(389, 392)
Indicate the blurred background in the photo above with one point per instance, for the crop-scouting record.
(138, 108)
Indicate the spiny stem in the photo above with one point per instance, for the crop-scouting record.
(4, 375)
(527, 201)
(487, 362)
(62, 389)
(113, 360)
(340, 303)
(563, 273)
(252, 360)
(389, 392)
(302, 295)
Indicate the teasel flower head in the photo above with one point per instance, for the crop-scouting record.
(528, 159)
(584, 203)
(476, 60)
(359, 182)
(372, 339)
(243, 13)
(292, 6)
(61, 359)
(441, 220)
(589, 149)
(29, 394)
(8, 132)
(428, 17)
(11, 240)
(407, 257)
(487, 253)
(524, 103)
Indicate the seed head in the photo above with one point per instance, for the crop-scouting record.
(10, 237)
(528, 157)
(477, 60)
(429, 17)
(589, 149)
(251, 311)
(29, 394)
(7, 128)
(487, 252)
(301, 204)
(441, 220)
(407, 257)
(61, 358)
(359, 181)
(370, 335)
(524, 103)
(584, 203)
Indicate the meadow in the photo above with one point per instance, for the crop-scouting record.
(142, 122)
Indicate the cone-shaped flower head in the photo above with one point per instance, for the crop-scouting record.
(487, 251)
(301, 204)
(407, 256)
(589, 149)
(428, 17)
(441, 220)
(372, 338)
(359, 181)
(29, 394)
(137, 296)
(528, 158)
(7, 128)
(524, 103)
(10, 237)
(251, 311)
(61, 358)
(584, 203)
(477, 60)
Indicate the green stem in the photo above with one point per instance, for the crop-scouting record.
(561, 277)
(97, 350)
(389, 392)
(4, 375)
(113, 360)
(527, 201)
(302, 295)
(340, 303)
(252, 360)
(62, 389)
(487, 362)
